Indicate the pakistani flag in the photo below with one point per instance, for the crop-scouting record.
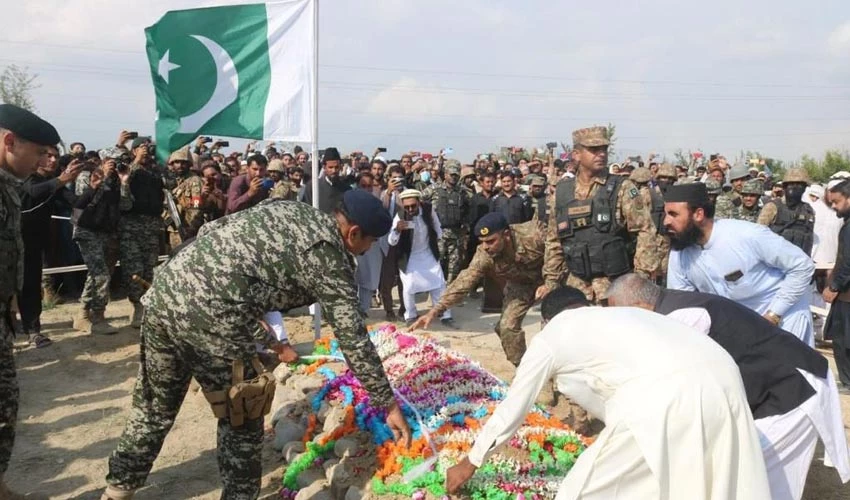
(238, 71)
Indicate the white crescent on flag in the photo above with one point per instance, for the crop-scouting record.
(226, 88)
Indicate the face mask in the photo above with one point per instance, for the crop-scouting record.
(794, 194)
(425, 176)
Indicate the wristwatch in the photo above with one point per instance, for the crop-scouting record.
(772, 316)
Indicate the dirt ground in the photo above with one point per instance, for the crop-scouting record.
(75, 397)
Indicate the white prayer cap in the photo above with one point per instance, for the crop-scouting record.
(410, 193)
(834, 182)
(817, 190)
(841, 174)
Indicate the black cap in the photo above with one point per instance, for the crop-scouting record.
(491, 224)
(331, 154)
(27, 125)
(694, 193)
(367, 211)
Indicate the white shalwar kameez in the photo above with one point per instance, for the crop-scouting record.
(423, 273)
(677, 423)
(750, 264)
(788, 441)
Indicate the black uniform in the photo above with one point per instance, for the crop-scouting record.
(517, 208)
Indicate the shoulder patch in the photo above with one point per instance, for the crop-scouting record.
(633, 192)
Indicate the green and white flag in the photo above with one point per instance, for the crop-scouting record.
(238, 71)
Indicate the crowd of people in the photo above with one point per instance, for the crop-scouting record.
(734, 253)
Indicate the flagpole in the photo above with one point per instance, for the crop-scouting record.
(314, 147)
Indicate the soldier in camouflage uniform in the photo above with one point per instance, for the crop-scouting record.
(202, 313)
(513, 254)
(141, 224)
(282, 189)
(751, 193)
(594, 221)
(653, 198)
(107, 189)
(791, 217)
(185, 185)
(724, 203)
(24, 142)
(451, 202)
(199, 199)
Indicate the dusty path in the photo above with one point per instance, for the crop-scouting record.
(76, 394)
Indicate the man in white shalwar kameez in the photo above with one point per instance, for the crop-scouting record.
(790, 388)
(739, 260)
(416, 235)
(677, 424)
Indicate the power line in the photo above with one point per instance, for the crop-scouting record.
(473, 73)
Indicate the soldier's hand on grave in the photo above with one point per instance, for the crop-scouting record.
(398, 425)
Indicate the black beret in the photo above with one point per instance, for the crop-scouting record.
(490, 224)
(694, 193)
(367, 211)
(331, 154)
(27, 125)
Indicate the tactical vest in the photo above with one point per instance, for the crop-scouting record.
(594, 244)
(449, 206)
(657, 210)
(146, 188)
(796, 226)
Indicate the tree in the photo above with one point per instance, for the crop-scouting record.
(16, 86)
(833, 161)
(611, 139)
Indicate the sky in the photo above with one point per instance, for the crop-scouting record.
(475, 75)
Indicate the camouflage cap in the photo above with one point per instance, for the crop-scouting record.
(276, 166)
(181, 154)
(712, 186)
(796, 175)
(591, 136)
(641, 175)
(537, 180)
(111, 152)
(466, 172)
(452, 167)
(753, 186)
(666, 170)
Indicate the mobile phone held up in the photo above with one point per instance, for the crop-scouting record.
(382, 150)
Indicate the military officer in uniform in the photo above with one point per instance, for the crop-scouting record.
(599, 226)
(282, 188)
(24, 142)
(792, 219)
(513, 253)
(451, 203)
(665, 176)
(751, 194)
(714, 190)
(202, 313)
(539, 198)
(653, 198)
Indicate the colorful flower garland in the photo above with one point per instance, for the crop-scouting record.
(451, 395)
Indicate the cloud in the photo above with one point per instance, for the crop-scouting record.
(838, 42)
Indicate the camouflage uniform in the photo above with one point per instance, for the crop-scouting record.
(632, 212)
(284, 190)
(139, 237)
(653, 198)
(521, 271)
(727, 206)
(11, 280)
(202, 313)
(752, 186)
(452, 207)
(195, 207)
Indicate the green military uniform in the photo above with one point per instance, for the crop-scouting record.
(598, 230)
(653, 198)
(282, 189)
(23, 125)
(452, 206)
(519, 268)
(202, 313)
(753, 187)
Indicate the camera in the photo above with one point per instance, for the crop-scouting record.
(224, 144)
(551, 145)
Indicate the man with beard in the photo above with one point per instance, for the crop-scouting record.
(837, 293)
(331, 187)
(744, 262)
(512, 254)
(792, 219)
